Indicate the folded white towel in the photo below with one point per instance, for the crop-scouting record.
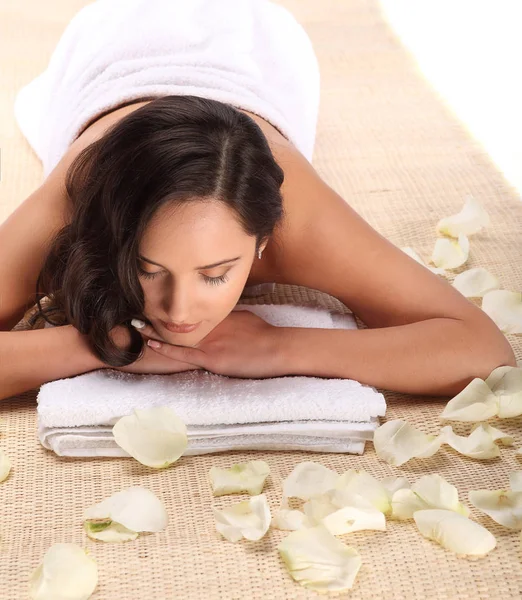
(91, 445)
(76, 415)
(251, 54)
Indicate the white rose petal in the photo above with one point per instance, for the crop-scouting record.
(405, 503)
(5, 465)
(106, 530)
(515, 481)
(362, 483)
(496, 434)
(129, 511)
(499, 395)
(155, 437)
(66, 573)
(505, 309)
(307, 479)
(396, 442)
(450, 254)
(471, 219)
(317, 508)
(343, 512)
(480, 444)
(503, 506)
(249, 519)
(241, 477)
(474, 283)
(430, 491)
(318, 560)
(393, 484)
(476, 402)
(506, 384)
(412, 254)
(454, 532)
(288, 519)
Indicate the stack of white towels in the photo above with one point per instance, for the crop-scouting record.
(76, 415)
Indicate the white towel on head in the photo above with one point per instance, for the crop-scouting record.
(76, 415)
(251, 54)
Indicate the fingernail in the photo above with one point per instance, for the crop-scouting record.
(153, 343)
(137, 323)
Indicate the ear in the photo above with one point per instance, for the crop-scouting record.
(264, 244)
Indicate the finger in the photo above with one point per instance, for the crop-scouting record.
(146, 330)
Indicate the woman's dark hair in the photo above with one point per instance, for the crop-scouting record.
(173, 150)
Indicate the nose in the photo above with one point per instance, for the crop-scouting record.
(177, 305)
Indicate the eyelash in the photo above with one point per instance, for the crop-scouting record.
(210, 280)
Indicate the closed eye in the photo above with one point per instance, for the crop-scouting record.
(210, 280)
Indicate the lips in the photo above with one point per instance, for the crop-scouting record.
(180, 328)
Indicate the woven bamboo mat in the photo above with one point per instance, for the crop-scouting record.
(391, 148)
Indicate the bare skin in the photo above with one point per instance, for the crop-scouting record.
(322, 244)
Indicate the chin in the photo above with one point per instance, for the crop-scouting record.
(183, 339)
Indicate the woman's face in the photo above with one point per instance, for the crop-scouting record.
(182, 288)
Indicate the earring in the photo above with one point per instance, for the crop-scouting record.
(259, 253)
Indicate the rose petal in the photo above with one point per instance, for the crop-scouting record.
(362, 483)
(430, 491)
(355, 513)
(411, 253)
(318, 560)
(503, 506)
(471, 219)
(317, 508)
(496, 435)
(108, 531)
(155, 437)
(342, 511)
(136, 508)
(5, 465)
(405, 503)
(480, 444)
(515, 481)
(505, 309)
(288, 519)
(66, 573)
(454, 532)
(474, 283)
(249, 519)
(308, 479)
(476, 402)
(506, 383)
(450, 254)
(396, 442)
(393, 484)
(241, 477)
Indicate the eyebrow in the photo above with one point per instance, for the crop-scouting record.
(222, 262)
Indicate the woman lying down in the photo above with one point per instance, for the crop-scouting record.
(170, 187)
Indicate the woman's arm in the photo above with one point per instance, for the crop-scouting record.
(437, 357)
(30, 358)
(423, 337)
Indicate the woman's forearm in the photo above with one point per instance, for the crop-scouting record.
(437, 357)
(33, 357)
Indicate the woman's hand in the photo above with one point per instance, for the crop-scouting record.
(150, 361)
(242, 345)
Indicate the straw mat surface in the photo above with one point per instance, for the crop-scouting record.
(391, 148)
